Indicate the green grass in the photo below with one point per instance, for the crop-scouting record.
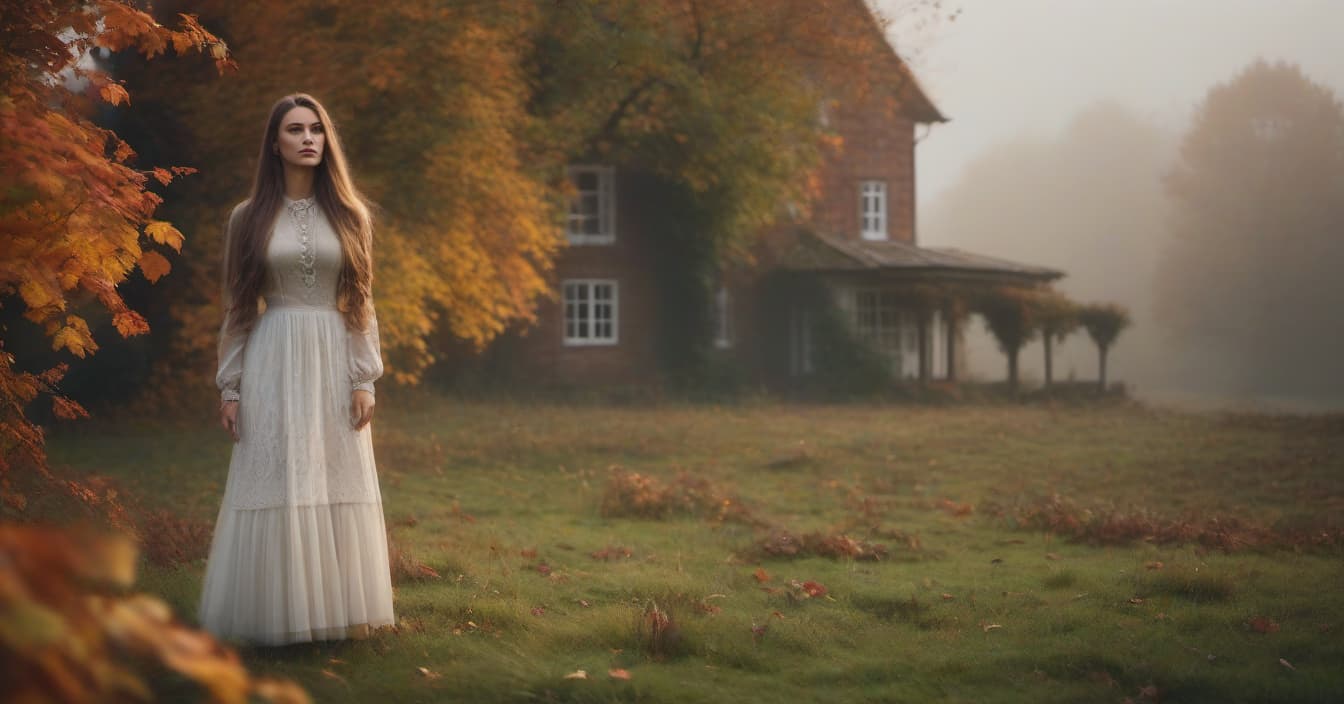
(964, 608)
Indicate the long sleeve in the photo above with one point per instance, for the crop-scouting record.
(229, 375)
(366, 360)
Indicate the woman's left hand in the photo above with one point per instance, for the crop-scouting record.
(361, 408)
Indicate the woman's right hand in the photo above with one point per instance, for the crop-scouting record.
(228, 417)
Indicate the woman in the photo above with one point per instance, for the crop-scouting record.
(300, 549)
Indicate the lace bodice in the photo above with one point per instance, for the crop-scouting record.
(303, 264)
(303, 259)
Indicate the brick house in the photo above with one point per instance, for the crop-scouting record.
(858, 248)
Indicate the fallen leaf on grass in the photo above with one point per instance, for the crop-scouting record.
(991, 626)
(1264, 624)
(1052, 556)
(335, 661)
(1154, 565)
(761, 575)
(529, 553)
(947, 597)
(1136, 600)
(428, 673)
(584, 603)
(777, 615)
(333, 676)
(544, 569)
(538, 611)
(577, 675)
(1287, 664)
(814, 589)
(618, 674)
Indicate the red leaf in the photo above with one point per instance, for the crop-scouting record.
(814, 589)
(1264, 624)
(618, 674)
(66, 409)
(761, 575)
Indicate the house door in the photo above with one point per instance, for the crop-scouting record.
(801, 350)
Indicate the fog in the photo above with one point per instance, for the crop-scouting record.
(1065, 117)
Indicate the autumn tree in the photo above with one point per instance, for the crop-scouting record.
(1010, 314)
(76, 214)
(1104, 322)
(1255, 241)
(76, 218)
(1057, 316)
(431, 101)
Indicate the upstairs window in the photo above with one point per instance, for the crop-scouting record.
(590, 311)
(592, 211)
(873, 210)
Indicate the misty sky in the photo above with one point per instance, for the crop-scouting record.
(1007, 67)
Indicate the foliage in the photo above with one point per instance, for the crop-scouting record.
(76, 218)
(72, 634)
(1011, 315)
(716, 99)
(842, 364)
(1254, 241)
(1104, 322)
(637, 495)
(466, 228)
(1057, 316)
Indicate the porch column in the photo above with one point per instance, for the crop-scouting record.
(952, 323)
(923, 320)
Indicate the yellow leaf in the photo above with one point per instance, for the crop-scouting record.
(154, 266)
(115, 94)
(164, 233)
(74, 336)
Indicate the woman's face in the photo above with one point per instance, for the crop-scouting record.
(301, 139)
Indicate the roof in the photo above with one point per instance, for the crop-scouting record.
(913, 99)
(814, 252)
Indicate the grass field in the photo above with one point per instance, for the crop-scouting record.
(769, 552)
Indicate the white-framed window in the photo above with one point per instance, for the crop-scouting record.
(873, 209)
(592, 210)
(881, 319)
(591, 311)
(721, 317)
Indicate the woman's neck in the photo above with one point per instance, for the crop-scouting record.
(298, 183)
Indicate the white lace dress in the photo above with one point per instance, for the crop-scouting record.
(300, 550)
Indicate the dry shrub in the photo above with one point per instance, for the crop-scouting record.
(169, 540)
(76, 635)
(641, 496)
(783, 544)
(657, 631)
(405, 568)
(1110, 526)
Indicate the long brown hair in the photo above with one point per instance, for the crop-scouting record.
(347, 209)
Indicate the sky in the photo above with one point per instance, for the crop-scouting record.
(1005, 68)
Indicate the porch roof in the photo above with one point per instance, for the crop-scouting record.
(821, 253)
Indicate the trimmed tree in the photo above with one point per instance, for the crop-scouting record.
(1010, 314)
(1104, 323)
(1057, 317)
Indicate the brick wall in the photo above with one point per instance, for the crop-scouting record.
(878, 144)
(541, 353)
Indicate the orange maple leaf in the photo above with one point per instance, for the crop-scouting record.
(154, 266)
